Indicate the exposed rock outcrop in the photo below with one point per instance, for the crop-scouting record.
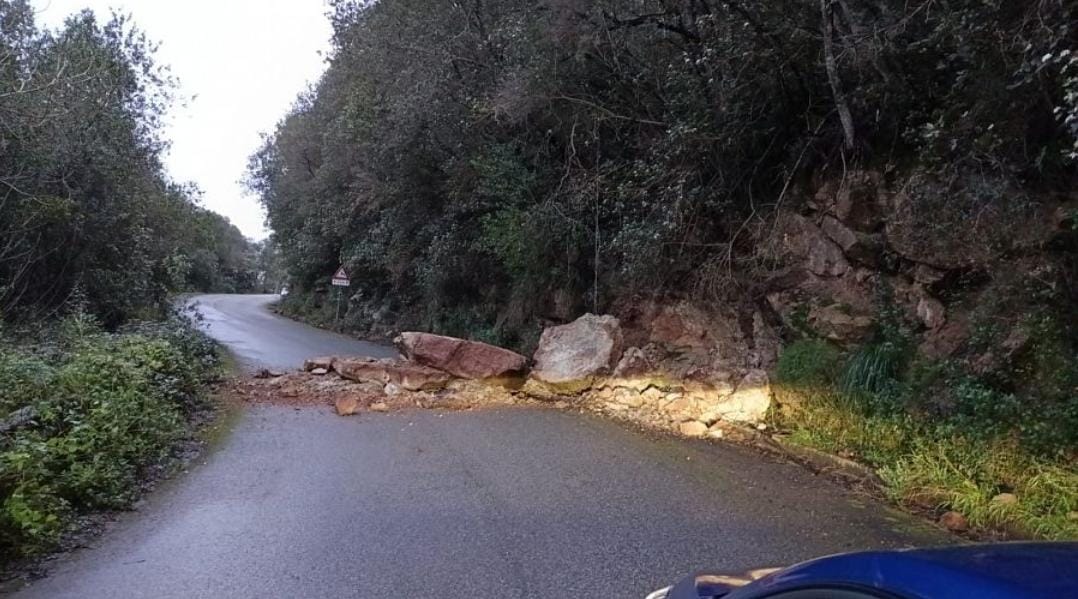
(805, 241)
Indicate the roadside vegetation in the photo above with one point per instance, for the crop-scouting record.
(88, 416)
(998, 449)
(85, 205)
(481, 166)
(99, 382)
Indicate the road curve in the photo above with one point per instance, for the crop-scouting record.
(507, 503)
(261, 339)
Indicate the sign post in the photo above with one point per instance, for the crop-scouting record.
(339, 280)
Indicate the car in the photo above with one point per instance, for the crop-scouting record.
(993, 571)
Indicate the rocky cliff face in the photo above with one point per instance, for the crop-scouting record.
(928, 253)
(857, 246)
(859, 253)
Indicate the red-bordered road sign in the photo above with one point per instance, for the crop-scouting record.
(340, 278)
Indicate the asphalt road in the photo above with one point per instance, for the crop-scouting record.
(261, 339)
(502, 503)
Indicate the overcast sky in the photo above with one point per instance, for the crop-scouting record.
(240, 64)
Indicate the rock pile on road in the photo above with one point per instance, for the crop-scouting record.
(583, 364)
(356, 385)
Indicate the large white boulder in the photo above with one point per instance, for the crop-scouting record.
(571, 356)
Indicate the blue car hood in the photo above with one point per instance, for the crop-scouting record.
(1006, 570)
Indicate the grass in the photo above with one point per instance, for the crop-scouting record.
(966, 477)
(859, 407)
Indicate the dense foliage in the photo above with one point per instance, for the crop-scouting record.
(85, 208)
(98, 410)
(478, 165)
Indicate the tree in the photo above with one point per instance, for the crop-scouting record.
(479, 164)
(85, 207)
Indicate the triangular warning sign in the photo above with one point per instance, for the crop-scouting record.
(340, 274)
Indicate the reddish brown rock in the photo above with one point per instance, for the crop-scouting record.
(413, 377)
(679, 325)
(460, 357)
(944, 342)
(692, 428)
(954, 522)
(836, 322)
(363, 370)
(856, 199)
(857, 246)
(634, 362)
(346, 406)
(926, 275)
(804, 241)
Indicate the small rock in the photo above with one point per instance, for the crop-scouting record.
(715, 431)
(266, 373)
(561, 405)
(367, 388)
(631, 399)
(761, 427)
(652, 394)
(392, 389)
(927, 275)
(693, 428)
(634, 362)
(1005, 499)
(680, 408)
(413, 377)
(18, 419)
(346, 406)
(319, 371)
(931, 312)
(954, 522)
(325, 362)
(379, 406)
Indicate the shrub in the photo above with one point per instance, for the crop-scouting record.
(108, 406)
(972, 443)
(809, 361)
(873, 367)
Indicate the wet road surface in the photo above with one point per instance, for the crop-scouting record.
(261, 339)
(505, 503)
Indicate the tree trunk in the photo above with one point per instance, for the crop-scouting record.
(841, 104)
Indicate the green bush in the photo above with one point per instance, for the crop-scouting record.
(809, 361)
(108, 406)
(940, 438)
